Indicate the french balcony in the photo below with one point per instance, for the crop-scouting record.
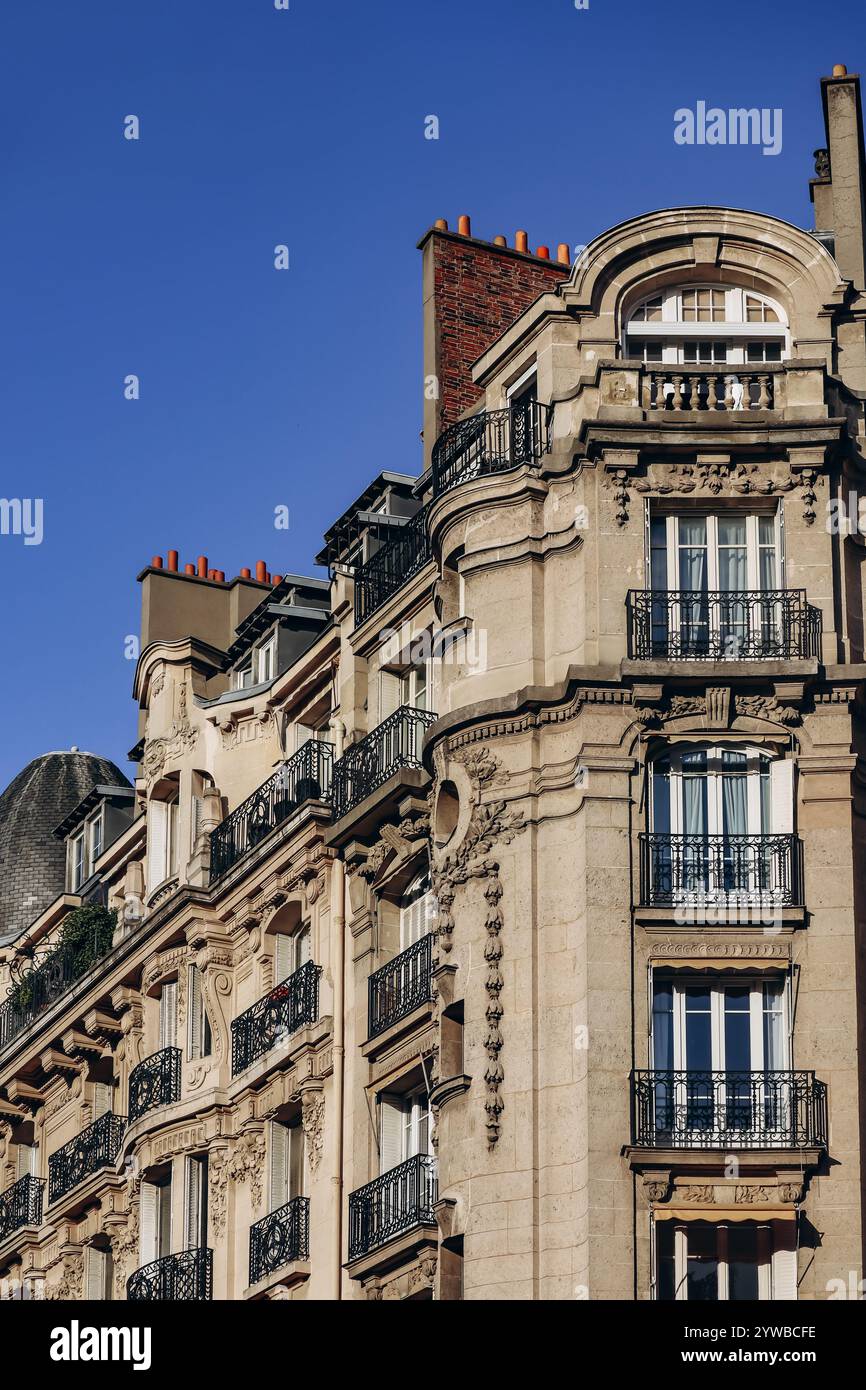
(696, 625)
(491, 442)
(290, 1005)
(183, 1278)
(701, 871)
(154, 1082)
(392, 566)
(306, 777)
(398, 1202)
(720, 388)
(280, 1239)
(400, 987)
(95, 1147)
(393, 745)
(21, 1205)
(729, 1110)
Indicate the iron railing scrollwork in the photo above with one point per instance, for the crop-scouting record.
(183, 1278)
(290, 1005)
(280, 1238)
(392, 566)
(21, 1205)
(154, 1082)
(710, 625)
(305, 777)
(94, 1148)
(759, 870)
(728, 1109)
(491, 442)
(364, 766)
(401, 986)
(398, 1201)
(38, 982)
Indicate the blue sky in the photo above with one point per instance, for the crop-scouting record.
(262, 388)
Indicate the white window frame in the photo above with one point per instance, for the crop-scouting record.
(765, 1265)
(753, 548)
(714, 775)
(735, 330)
(243, 678)
(718, 988)
(77, 860)
(95, 837)
(266, 660)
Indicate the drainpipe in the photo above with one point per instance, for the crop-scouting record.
(338, 917)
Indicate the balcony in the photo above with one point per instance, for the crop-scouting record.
(280, 1239)
(289, 1006)
(397, 1202)
(183, 1278)
(95, 1147)
(694, 625)
(86, 937)
(728, 1110)
(720, 870)
(305, 777)
(400, 987)
(392, 745)
(721, 388)
(21, 1205)
(491, 442)
(154, 1082)
(392, 566)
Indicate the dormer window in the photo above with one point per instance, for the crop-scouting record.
(707, 324)
(77, 861)
(267, 660)
(244, 676)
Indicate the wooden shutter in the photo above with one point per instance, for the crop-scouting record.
(781, 796)
(284, 957)
(195, 1198)
(194, 1025)
(296, 1160)
(302, 947)
(279, 1165)
(102, 1098)
(303, 734)
(168, 1015)
(157, 844)
(97, 1273)
(26, 1161)
(148, 1216)
(784, 1261)
(390, 693)
(391, 1120)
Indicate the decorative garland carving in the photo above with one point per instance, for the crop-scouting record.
(488, 823)
(70, 1287)
(313, 1121)
(243, 1160)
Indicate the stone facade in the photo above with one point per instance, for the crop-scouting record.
(541, 979)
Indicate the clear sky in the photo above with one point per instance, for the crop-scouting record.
(304, 127)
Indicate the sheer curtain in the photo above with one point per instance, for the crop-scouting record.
(694, 617)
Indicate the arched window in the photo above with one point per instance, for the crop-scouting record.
(707, 324)
(417, 910)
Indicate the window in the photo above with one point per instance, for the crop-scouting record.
(168, 1015)
(729, 1262)
(708, 324)
(712, 1026)
(291, 951)
(404, 1127)
(266, 658)
(417, 911)
(286, 1163)
(95, 827)
(409, 687)
(195, 1203)
(244, 676)
(155, 1220)
(199, 1031)
(77, 861)
(162, 839)
(722, 790)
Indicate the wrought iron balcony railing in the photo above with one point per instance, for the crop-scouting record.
(187, 1278)
(305, 777)
(290, 1005)
(695, 625)
(491, 442)
(398, 1201)
(154, 1082)
(392, 566)
(94, 1148)
(280, 1238)
(400, 986)
(720, 870)
(728, 1110)
(393, 744)
(42, 981)
(21, 1205)
(723, 388)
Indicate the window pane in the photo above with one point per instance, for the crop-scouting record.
(738, 1053)
(742, 1263)
(698, 1032)
(702, 1267)
(666, 1269)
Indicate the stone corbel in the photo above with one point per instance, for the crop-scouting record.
(657, 1184)
(81, 1045)
(27, 1096)
(101, 1025)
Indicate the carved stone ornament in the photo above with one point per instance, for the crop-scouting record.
(313, 1121)
(488, 823)
(70, 1287)
(767, 707)
(754, 1194)
(618, 481)
(724, 476)
(698, 1195)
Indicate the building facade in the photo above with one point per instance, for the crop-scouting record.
(486, 919)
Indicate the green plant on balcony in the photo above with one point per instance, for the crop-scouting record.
(85, 937)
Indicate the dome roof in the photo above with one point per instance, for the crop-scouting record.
(32, 859)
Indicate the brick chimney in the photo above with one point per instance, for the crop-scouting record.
(473, 291)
